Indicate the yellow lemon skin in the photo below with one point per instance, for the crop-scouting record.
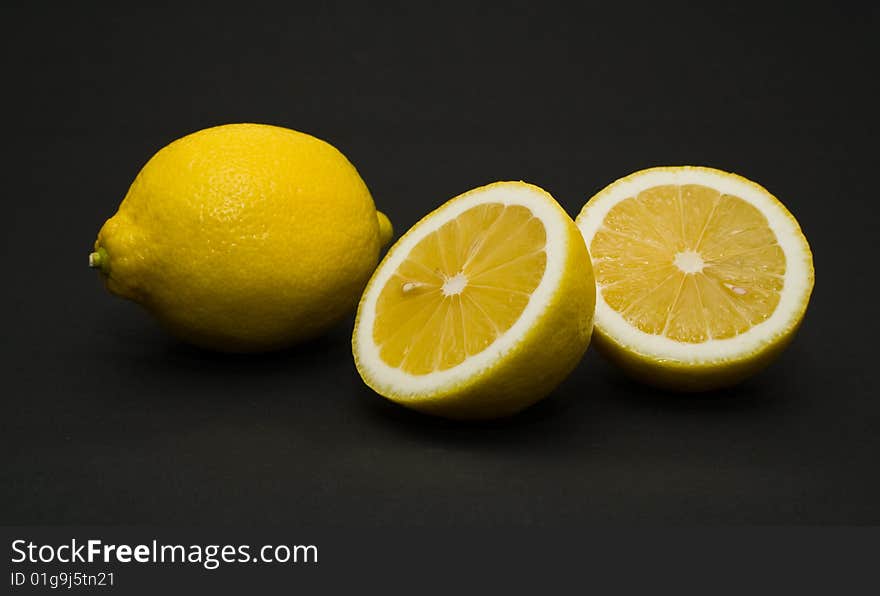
(243, 238)
(690, 378)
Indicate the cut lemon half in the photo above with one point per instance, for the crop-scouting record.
(481, 309)
(702, 276)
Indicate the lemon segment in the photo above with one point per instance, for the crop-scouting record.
(481, 308)
(702, 275)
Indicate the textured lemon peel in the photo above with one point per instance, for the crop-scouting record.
(243, 238)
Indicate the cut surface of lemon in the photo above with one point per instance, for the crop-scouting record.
(702, 276)
(481, 308)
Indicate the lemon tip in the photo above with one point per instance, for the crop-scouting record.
(386, 230)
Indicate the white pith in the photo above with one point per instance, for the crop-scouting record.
(454, 285)
(796, 282)
(404, 384)
(689, 261)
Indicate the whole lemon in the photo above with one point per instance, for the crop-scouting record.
(244, 237)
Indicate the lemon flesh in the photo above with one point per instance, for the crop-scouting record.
(460, 288)
(244, 237)
(703, 276)
(481, 309)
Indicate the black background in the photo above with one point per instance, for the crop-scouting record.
(109, 421)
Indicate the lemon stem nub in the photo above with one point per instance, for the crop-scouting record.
(386, 230)
(99, 259)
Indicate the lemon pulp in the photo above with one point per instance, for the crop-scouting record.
(460, 288)
(688, 262)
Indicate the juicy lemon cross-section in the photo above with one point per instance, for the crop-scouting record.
(702, 275)
(481, 308)
(460, 288)
(688, 262)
